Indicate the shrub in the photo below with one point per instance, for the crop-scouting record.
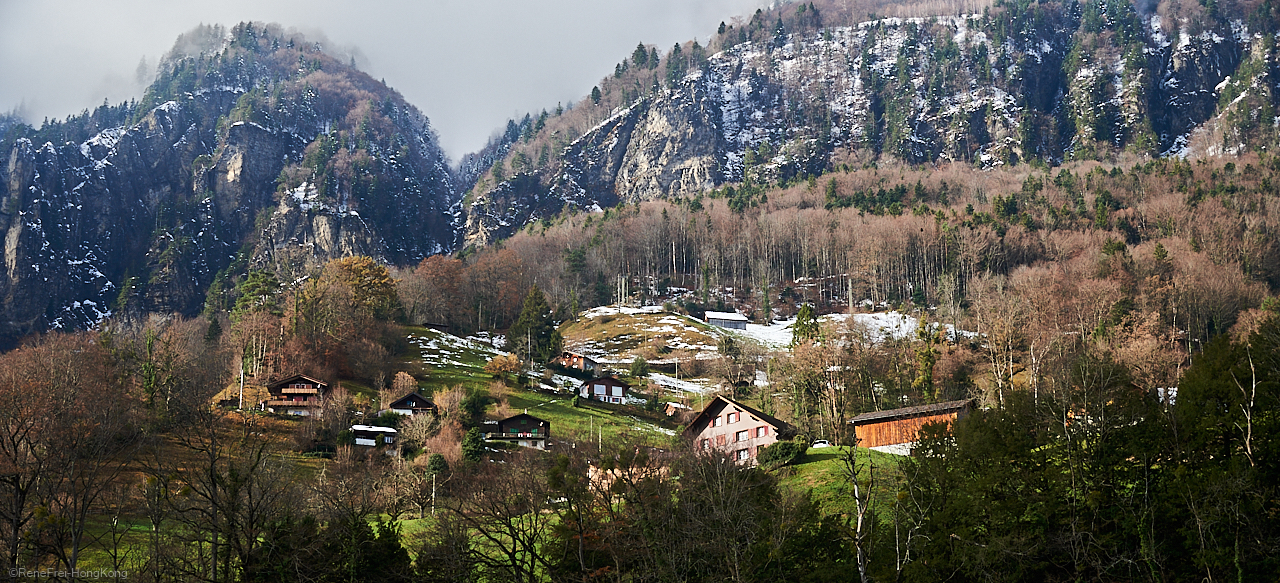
(639, 367)
(781, 454)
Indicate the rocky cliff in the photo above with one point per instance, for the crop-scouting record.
(1022, 81)
(259, 152)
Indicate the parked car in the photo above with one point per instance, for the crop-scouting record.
(821, 443)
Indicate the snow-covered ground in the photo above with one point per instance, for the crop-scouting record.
(903, 449)
(615, 310)
(441, 349)
(679, 385)
(880, 326)
(775, 335)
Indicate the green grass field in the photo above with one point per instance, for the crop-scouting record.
(821, 472)
(616, 423)
(440, 360)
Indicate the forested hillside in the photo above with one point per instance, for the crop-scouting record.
(1069, 210)
(802, 88)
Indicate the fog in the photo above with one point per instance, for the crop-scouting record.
(469, 66)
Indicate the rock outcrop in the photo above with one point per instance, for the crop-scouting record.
(1050, 83)
(236, 159)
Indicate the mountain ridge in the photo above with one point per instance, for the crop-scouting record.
(255, 150)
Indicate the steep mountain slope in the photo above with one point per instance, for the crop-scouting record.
(253, 149)
(791, 94)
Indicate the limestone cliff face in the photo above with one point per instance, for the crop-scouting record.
(1052, 83)
(304, 233)
(236, 154)
(675, 148)
(77, 218)
(667, 146)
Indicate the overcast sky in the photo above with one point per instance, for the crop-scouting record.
(468, 64)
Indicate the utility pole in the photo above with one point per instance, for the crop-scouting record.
(433, 493)
(241, 407)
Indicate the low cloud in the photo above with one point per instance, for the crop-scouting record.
(468, 66)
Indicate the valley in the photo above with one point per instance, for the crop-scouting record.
(256, 326)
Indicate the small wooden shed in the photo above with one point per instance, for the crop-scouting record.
(897, 426)
(732, 320)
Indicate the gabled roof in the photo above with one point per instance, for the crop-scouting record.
(719, 403)
(606, 379)
(909, 412)
(296, 378)
(515, 417)
(420, 402)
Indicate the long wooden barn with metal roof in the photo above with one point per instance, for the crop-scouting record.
(898, 426)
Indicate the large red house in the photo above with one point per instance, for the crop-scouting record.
(735, 429)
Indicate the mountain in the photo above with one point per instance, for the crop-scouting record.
(254, 149)
(793, 92)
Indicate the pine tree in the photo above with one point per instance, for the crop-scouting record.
(675, 65)
(473, 445)
(257, 293)
(641, 56)
(806, 326)
(437, 465)
(926, 357)
(214, 332)
(534, 333)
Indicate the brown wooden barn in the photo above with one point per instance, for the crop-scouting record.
(897, 426)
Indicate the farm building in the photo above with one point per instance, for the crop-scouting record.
(523, 429)
(412, 404)
(296, 395)
(727, 320)
(373, 436)
(574, 360)
(606, 389)
(735, 429)
(899, 426)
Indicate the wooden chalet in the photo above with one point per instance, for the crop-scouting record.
(582, 362)
(735, 429)
(524, 430)
(900, 426)
(373, 435)
(606, 389)
(732, 320)
(413, 404)
(296, 395)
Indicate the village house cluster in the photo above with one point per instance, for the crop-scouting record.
(724, 424)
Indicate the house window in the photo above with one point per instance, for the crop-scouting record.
(706, 444)
(719, 440)
(762, 431)
(734, 417)
(386, 439)
(716, 422)
(741, 436)
(741, 454)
